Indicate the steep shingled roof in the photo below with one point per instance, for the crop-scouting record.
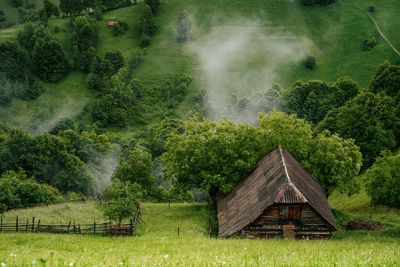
(277, 178)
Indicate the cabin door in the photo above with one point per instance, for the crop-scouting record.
(290, 214)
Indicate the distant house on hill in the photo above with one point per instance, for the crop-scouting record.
(112, 23)
(279, 198)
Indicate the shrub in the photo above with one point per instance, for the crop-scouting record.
(147, 24)
(122, 200)
(369, 44)
(116, 59)
(145, 40)
(384, 181)
(117, 30)
(310, 63)
(154, 5)
(371, 8)
(31, 90)
(49, 61)
(62, 125)
(18, 190)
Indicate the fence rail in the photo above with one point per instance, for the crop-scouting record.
(104, 228)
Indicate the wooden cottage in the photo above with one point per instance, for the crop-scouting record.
(279, 198)
(112, 23)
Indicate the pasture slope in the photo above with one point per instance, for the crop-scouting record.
(157, 243)
(333, 35)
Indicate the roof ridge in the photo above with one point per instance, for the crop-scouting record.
(284, 165)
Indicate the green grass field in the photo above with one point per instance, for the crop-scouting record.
(334, 35)
(157, 243)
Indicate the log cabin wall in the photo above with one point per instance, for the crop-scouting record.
(307, 223)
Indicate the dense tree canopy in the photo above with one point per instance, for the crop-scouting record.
(384, 181)
(312, 100)
(13, 61)
(387, 80)
(135, 166)
(372, 120)
(122, 200)
(18, 190)
(85, 36)
(216, 155)
(49, 61)
(59, 160)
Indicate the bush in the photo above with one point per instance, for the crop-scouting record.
(147, 24)
(369, 44)
(145, 40)
(154, 5)
(117, 30)
(62, 125)
(18, 190)
(116, 59)
(310, 63)
(49, 61)
(122, 200)
(384, 181)
(30, 91)
(371, 9)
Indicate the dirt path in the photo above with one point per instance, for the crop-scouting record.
(379, 30)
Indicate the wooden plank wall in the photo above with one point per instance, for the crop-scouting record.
(269, 225)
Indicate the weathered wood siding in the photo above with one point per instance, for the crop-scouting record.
(307, 223)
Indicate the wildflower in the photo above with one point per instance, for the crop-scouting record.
(3, 264)
(71, 264)
(166, 256)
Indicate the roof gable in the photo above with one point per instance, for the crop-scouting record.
(277, 178)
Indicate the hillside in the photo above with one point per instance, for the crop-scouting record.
(117, 105)
(157, 243)
(285, 33)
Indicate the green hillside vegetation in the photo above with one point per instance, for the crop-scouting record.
(158, 243)
(336, 33)
(174, 103)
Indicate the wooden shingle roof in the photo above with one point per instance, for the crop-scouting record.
(277, 178)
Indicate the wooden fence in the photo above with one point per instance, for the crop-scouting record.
(106, 228)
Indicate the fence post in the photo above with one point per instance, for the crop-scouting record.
(209, 221)
(26, 225)
(94, 228)
(1, 223)
(37, 227)
(33, 224)
(131, 227)
(69, 225)
(16, 224)
(178, 230)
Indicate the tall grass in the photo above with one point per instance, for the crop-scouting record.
(157, 243)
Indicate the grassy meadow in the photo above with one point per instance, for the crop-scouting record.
(156, 243)
(333, 34)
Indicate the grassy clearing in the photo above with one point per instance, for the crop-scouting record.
(157, 243)
(64, 99)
